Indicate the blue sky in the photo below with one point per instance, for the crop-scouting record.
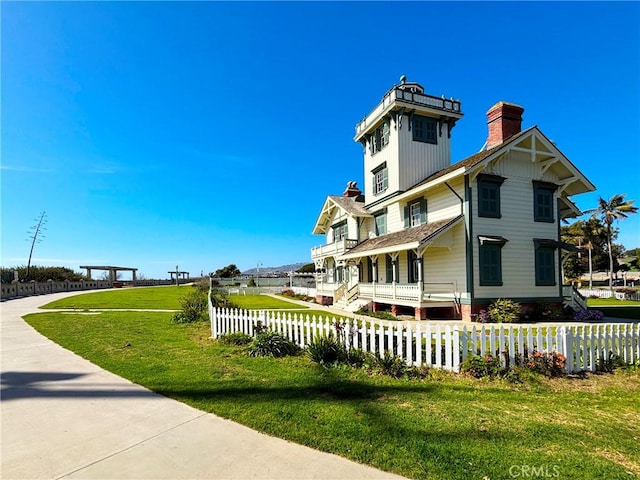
(208, 133)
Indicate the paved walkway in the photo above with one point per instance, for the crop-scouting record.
(63, 417)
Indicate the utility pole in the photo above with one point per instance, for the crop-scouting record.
(35, 234)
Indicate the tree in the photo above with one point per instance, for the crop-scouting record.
(307, 268)
(229, 271)
(36, 232)
(615, 209)
(590, 237)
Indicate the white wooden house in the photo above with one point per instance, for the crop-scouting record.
(439, 239)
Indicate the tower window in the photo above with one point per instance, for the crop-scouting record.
(380, 138)
(424, 129)
(380, 179)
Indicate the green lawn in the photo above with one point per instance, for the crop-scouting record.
(258, 302)
(612, 307)
(443, 427)
(162, 298)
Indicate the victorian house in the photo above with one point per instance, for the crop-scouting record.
(437, 239)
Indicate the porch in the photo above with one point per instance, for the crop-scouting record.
(422, 294)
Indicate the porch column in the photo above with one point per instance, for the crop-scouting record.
(394, 262)
(133, 275)
(374, 274)
(89, 273)
(420, 282)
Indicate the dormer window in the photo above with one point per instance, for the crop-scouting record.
(415, 213)
(424, 129)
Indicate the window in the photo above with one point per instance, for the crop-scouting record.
(390, 264)
(414, 264)
(380, 179)
(489, 195)
(381, 223)
(380, 138)
(424, 129)
(415, 213)
(340, 231)
(490, 260)
(543, 201)
(545, 261)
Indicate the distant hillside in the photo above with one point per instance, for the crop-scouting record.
(282, 268)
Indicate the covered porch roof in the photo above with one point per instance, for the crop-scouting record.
(411, 238)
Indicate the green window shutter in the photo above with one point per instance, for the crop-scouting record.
(423, 211)
(389, 269)
(407, 219)
(490, 265)
(545, 266)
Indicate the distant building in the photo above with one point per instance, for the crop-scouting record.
(427, 234)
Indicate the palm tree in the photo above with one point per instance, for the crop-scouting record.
(607, 211)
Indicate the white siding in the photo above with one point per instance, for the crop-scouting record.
(388, 154)
(418, 159)
(517, 225)
(447, 265)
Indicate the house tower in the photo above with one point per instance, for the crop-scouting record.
(406, 138)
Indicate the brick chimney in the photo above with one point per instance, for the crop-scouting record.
(352, 190)
(504, 120)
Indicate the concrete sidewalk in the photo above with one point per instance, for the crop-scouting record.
(63, 417)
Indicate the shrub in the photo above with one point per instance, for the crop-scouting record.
(326, 350)
(357, 358)
(608, 362)
(381, 315)
(194, 307)
(220, 299)
(288, 292)
(482, 317)
(550, 364)
(180, 317)
(503, 310)
(236, 338)
(271, 344)
(588, 316)
(544, 312)
(251, 283)
(391, 365)
(479, 367)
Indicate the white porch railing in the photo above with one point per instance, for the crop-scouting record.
(446, 346)
(408, 291)
(335, 248)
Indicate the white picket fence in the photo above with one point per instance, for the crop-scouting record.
(445, 346)
(601, 293)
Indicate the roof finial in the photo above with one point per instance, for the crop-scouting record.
(403, 79)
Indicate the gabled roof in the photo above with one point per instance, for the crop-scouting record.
(407, 239)
(349, 205)
(473, 160)
(572, 181)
